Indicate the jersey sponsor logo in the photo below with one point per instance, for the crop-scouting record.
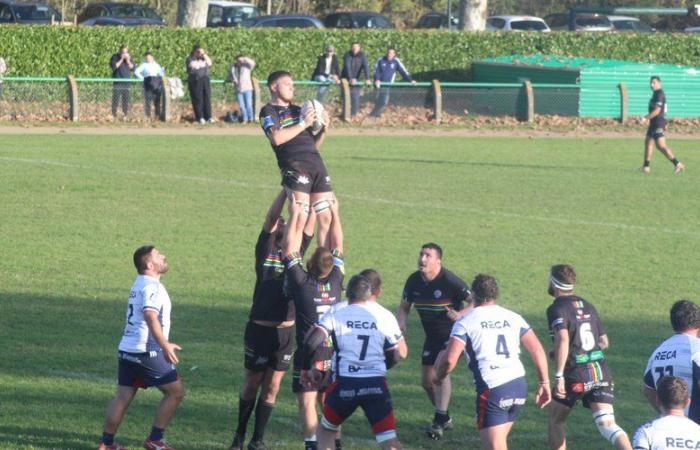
(676, 442)
(664, 355)
(350, 393)
(437, 293)
(495, 324)
(358, 324)
(507, 403)
(354, 369)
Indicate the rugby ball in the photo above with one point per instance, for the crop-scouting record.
(317, 107)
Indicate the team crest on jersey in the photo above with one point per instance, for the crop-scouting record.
(437, 293)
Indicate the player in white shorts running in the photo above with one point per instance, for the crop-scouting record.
(491, 335)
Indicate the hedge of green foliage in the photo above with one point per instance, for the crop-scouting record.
(85, 51)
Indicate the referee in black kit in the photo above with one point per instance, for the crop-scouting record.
(198, 64)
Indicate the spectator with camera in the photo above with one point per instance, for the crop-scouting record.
(121, 66)
(198, 64)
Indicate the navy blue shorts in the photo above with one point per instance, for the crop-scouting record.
(501, 404)
(371, 394)
(143, 370)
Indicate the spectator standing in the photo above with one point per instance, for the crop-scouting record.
(152, 75)
(198, 64)
(241, 74)
(385, 72)
(121, 66)
(3, 69)
(327, 71)
(355, 69)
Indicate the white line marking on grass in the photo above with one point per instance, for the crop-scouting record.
(243, 184)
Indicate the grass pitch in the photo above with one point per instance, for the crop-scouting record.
(75, 207)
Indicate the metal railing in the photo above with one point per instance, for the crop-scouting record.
(109, 100)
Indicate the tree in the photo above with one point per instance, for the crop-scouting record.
(192, 13)
(472, 15)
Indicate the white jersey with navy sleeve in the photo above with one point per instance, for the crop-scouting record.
(361, 333)
(678, 356)
(492, 337)
(146, 293)
(668, 432)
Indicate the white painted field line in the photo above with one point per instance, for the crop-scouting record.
(508, 215)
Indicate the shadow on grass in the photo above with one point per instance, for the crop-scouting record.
(45, 438)
(475, 164)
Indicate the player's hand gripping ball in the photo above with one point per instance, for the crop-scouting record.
(317, 124)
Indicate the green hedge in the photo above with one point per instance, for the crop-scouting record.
(85, 51)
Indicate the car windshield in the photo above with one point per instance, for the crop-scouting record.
(133, 11)
(631, 25)
(372, 22)
(590, 22)
(36, 12)
(528, 25)
(239, 13)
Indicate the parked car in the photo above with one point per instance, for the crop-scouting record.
(223, 13)
(283, 21)
(691, 30)
(436, 20)
(581, 22)
(28, 13)
(516, 23)
(125, 14)
(357, 19)
(627, 23)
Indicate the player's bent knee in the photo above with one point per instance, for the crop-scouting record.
(321, 206)
(329, 426)
(605, 421)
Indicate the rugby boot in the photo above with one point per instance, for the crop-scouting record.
(238, 442)
(156, 445)
(645, 169)
(114, 446)
(435, 430)
(680, 167)
(257, 445)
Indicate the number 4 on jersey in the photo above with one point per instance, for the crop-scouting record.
(501, 347)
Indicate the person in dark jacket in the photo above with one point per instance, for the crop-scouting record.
(327, 71)
(385, 72)
(355, 69)
(121, 66)
(198, 64)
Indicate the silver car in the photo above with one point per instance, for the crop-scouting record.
(516, 23)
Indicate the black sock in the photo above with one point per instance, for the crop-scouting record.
(107, 438)
(441, 417)
(245, 409)
(310, 444)
(675, 161)
(338, 444)
(646, 163)
(262, 415)
(156, 433)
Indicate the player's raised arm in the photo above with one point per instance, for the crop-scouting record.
(336, 236)
(274, 213)
(539, 358)
(294, 233)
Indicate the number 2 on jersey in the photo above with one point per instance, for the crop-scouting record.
(365, 342)
(131, 313)
(501, 347)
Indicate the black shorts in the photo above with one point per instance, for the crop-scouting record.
(309, 177)
(588, 383)
(656, 130)
(323, 366)
(143, 370)
(268, 347)
(431, 349)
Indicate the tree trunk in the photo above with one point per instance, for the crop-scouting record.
(192, 13)
(472, 15)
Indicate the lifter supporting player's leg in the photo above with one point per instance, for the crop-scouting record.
(320, 203)
(496, 437)
(558, 413)
(668, 153)
(604, 418)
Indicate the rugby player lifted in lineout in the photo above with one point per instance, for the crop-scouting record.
(304, 175)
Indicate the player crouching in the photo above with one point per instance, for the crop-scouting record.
(367, 341)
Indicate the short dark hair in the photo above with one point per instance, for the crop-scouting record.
(123, 46)
(274, 76)
(484, 287)
(684, 315)
(354, 42)
(391, 47)
(141, 257)
(148, 53)
(655, 77)
(359, 289)
(196, 47)
(320, 263)
(564, 273)
(672, 392)
(434, 246)
(375, 281)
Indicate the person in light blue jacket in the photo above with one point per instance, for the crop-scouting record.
(152, 75)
